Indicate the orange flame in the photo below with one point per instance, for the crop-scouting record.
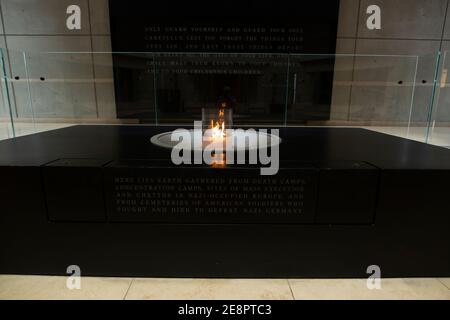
(218, 129)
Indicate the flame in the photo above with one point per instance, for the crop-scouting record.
(218, 135)
(218, 129)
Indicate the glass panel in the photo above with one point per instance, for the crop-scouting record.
(21, 95)
(424, 98)
(15, 96)
(387, 93)
(6, 116)
(133, 84)
(310, 88)
(253, 85)
(439, 119)
(79, 87)
(372, 91)
(62, 86)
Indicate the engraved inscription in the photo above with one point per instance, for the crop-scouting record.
(210, 196)
(219, 38)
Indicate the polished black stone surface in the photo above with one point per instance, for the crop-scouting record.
(300, 144)
(393, 212)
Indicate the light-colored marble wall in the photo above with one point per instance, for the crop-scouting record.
(405, 19)
(348, 18)
(382, 86)
(71, 84)
(103, 72)
(42, 17)
(392, 88)
(61, 84)
(99, 13)
(365, 88)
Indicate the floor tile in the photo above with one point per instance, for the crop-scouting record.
(414, 288)
(43, 287)
(197, 289)
(445, 282)
(46, 287)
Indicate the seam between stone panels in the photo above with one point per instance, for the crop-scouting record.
(128, 290)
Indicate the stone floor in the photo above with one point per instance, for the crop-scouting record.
(45, 287)
(439, 136)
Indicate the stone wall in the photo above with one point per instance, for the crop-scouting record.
(62, 85)
(366, 88)
(414, 28)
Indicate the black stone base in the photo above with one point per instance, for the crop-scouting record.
(104, 198)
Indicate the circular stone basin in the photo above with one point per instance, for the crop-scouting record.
(164, 140)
